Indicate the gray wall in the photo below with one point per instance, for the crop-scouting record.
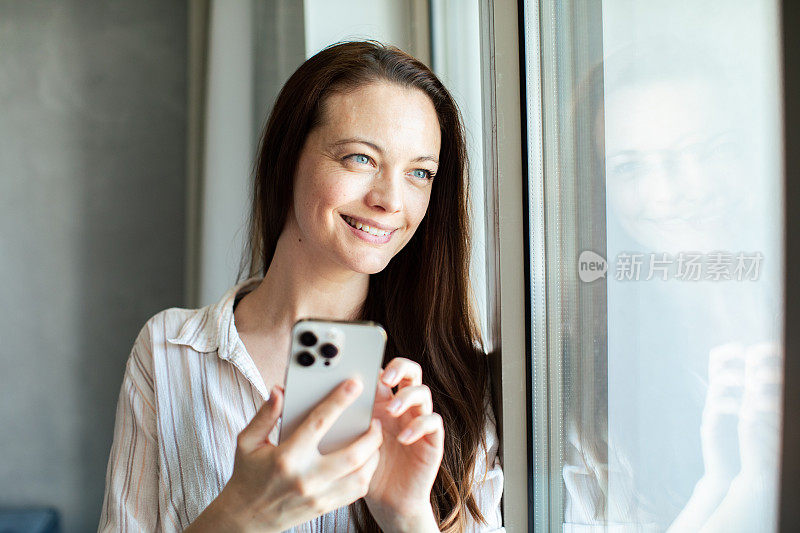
(92, 231)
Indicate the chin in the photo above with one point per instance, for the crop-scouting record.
(371, 269)
(367, 265)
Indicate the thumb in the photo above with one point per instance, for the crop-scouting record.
(255, 434)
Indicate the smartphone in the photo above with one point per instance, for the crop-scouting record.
(324, 353)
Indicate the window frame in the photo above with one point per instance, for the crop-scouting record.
(506, 269)
(518, 328)
(789, 489)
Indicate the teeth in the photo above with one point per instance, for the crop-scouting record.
(372, 231)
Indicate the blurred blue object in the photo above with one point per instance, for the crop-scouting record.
(29, 520)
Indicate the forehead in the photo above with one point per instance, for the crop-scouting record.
(663, 115)
(395, 117)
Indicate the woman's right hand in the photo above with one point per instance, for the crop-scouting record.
(273, 488)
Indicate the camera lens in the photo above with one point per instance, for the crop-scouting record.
(305, 359)
(308, 339)
(328, 350)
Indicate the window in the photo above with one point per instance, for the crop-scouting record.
(655, 264)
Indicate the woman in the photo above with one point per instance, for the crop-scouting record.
(361, 135)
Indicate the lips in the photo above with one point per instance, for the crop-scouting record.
(368, 233)
(370, 227)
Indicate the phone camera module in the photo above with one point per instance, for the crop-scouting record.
(328, 350)
(307, 339)
(305, 359)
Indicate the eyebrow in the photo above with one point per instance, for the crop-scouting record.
(380, 150)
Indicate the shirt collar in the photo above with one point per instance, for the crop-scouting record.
(212, 327)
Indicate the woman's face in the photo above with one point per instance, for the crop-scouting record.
(363, 181)
(676, 177)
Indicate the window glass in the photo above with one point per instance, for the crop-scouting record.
(662, 179)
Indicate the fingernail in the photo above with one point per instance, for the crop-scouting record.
(394, 405)
(404, 435)
(351, 385)
(389, 375)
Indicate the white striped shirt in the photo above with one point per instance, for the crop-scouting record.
(189, 388)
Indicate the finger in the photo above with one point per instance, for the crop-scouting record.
(322, 417)
(355, 485)
(343, 462)
(417, 395)
(765, 354)
(726, 357)
(421, 426)
(402, 369)
(383, 392)
(255, 434)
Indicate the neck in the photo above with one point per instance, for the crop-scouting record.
(296, 287)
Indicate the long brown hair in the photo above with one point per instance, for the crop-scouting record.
(422, 297)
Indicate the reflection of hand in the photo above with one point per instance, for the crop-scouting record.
(718, 427)
(759, 419)
(718, 435)
(751, 501)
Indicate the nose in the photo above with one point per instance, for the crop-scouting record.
(386, 191)
(661, 187)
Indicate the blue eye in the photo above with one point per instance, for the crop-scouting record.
(360, 158)
(426, 174)
(363, 159)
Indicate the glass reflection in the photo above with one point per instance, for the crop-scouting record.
(690, 140)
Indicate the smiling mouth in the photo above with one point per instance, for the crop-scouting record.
(363, 227)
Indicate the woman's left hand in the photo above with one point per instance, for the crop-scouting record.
(413, 445)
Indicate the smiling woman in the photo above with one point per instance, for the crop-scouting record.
(366, 162)
(359, 212)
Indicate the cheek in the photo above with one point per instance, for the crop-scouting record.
(625, 198)
(418, 205)
(316, 197)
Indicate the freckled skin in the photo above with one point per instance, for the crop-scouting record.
(386, 187)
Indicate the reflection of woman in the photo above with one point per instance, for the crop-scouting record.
(678, 179)
(348, 222)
